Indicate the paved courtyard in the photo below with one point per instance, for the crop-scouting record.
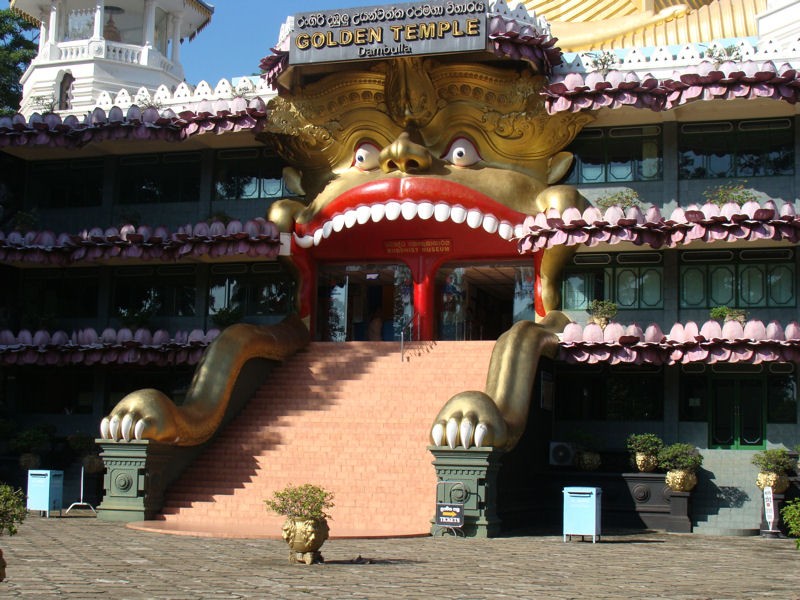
(79, 557)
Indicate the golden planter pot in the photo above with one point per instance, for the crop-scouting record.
(588, 461)
(305, 537)
(778, 482)
(681, 480)
(646, 463)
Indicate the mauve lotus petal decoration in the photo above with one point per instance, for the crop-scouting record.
(690, 331)
(792, 331)
(593, 333)
(202, 229)
(181, 337)
(573, 333)
(613, 214)
(24, 337)
(160, 337)
(196, 336)
(755, 330)
(775, 331)
(41, 338)
(60, 338)
(215, 229)
(711, 330)
(592, 215)
(109, 336)
(678, 216)
(787, 210)
(124, 335)
(634, 330)
(612, 332)
(676, 333)
(211, 335)
(7, 338)
(732, 330)
(695, 354)
(143, 336)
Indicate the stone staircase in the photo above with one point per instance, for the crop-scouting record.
(351, 417)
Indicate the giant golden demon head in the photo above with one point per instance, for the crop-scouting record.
(417, 129)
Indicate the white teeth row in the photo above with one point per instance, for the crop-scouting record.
(394, 210)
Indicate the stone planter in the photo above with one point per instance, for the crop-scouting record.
(646, 463)
(778, 482)
(305, 538)
(681, 480)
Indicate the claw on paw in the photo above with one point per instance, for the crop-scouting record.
(437, 433)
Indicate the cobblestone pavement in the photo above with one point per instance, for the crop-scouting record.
(81, 557)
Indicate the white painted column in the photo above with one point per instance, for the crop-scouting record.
(55, 8)
(177, 21)
(44, 35)
(149, 23)
(99, 14)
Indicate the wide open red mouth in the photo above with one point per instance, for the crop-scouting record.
(406, 199)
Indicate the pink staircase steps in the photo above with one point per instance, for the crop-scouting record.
(351, 417)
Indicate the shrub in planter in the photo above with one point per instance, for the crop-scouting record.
(12, 513)
(306, 527)
(774, 466)
(644, 448)
(681, 461)
(790, 514)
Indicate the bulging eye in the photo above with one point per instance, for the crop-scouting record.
(366, 156)
(462, 153)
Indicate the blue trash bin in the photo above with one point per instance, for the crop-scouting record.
(582, 512)
(45, 491)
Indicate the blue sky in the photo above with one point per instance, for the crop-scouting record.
(241, 33)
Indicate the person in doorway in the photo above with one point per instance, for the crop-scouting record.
(375, 327)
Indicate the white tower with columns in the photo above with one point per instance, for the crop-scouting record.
(87, 47)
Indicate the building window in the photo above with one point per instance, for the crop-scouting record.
(618, 154)
(247, 174)
(55, 391)
(67, 184)
(263, 289)
(736, 149)
(609, 394)
(51, 294)
(155, 179)
(625, 281)
(140, 293)
(744, 279)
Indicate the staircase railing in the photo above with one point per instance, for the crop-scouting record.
(408, 324)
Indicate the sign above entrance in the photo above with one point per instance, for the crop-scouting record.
(433, 27)
(408, 247)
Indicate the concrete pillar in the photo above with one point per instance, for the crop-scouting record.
(149, 23)
(99, 14)
(55, 9)
(177, 21)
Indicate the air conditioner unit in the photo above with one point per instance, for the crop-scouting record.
(561, 454)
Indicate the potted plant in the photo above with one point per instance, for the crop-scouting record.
(681, 462)
(587, 451)
(306, 527)
(774, 466)
(790, 514)
(644, 449)
(602, 311)
(724, 314)
(12, 513)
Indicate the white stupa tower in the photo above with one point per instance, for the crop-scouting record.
(87, 47)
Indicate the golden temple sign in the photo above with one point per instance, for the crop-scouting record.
(434, 27)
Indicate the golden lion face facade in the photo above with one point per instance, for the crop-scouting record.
(446, 150)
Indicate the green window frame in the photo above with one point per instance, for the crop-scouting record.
(245, 174)
(625, 281)
(617, 154)
(68, 184)
(741, 279)
(752, 148)
(159, 178)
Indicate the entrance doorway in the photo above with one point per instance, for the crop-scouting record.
(363, 302)
(481, 301)
(738, 412)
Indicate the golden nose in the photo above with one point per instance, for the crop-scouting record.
(405, 155)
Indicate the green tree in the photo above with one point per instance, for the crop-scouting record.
(17, 49)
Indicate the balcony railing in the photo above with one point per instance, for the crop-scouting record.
(130, 54)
